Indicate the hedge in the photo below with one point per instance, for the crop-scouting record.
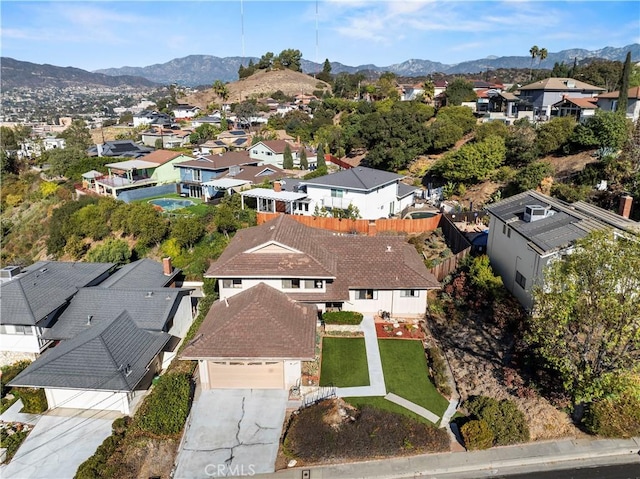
(506, 421)
(615, 416)
(10, 371)
(95, 467)
(166, 408)
(476, 435)
(438, 368)
(34, 401)
(342, 317)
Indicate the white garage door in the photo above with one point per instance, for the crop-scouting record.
(246, 375)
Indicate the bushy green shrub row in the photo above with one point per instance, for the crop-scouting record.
(10, 371)
(96, 466)
(165, 409)
(616, 416)
(438, 369)
(505, 421)
(34, 400)
(342, 317)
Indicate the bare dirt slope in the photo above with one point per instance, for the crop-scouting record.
(262, 84)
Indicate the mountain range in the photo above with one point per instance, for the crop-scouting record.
(195, 70)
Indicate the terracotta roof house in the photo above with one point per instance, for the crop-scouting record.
(609, 102)
(545, 93)
(528, 230)
(310, 265)
(375, 193)
(579, 108)
(254, 339)
(196, 175)
(32, 299)
(104, 367)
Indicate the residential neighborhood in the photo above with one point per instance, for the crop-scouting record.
(316, 270)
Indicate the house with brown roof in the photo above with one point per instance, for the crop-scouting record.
(317, 267)
(271, 152)
(545, 93)
(609, 102)
(254, 339)
(579, 108)
(166, 137)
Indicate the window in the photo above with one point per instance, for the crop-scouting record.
(232, 283)
(313, 284)
(366, 294)
(16, 329)
(196, 175)
(409, 293)
(509, 233)
(337, 193)
(504, 229)
(291, 283)
(521, 280)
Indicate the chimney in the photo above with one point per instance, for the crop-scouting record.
(624, 209)
(167, 269)
(277, 186)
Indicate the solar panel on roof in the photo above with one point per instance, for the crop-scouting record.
(237, 132)
(239, 141)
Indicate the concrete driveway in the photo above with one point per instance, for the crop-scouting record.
(232, 432)
(60, 441)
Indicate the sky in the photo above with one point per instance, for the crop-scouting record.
(100, 34)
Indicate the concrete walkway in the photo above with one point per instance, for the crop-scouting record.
(413, 407)
(376, 385)
(13, 414)
(492, 462)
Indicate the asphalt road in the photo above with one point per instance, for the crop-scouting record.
(620, 471)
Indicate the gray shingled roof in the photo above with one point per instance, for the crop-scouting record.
(405, 190)
(142, 274)
(149, 309)
(260, 322)
(358, 178)
(113, 355)
(568, 224)
(43, 287)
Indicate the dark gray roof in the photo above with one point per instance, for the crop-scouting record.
(150, 309)
(120, 148)
(358, 178)
(568, 223)
(142, 274)
(405, 190)
(114, 356)
(43, 287)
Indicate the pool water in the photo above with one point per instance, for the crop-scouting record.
(170, 204)
(421, 214)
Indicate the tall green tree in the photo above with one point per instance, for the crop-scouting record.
(533, 51)
(458, 91)
(221, 90)
(542, 55)
(325, 74)
(287, 159)
(304, 162)
(187, 231)
(586, 319)
(111, 251)
(321, 162)
(290, 59)
(623, 95)
(77, 136)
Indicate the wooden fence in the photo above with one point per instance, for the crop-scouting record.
(368, 227)
(457, 243)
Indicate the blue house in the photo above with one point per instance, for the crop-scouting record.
(194, 173)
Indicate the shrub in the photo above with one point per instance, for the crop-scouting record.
(507, 423)
(34, 400)
(96, 466)
(477, 435)
(10, 371)
(438, 368)
(165, 410)
(342, 317)
(615, 417)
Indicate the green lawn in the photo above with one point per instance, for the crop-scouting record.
(405, 374)
(344, 362)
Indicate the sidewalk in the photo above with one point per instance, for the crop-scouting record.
(479, 463)
(376, 385)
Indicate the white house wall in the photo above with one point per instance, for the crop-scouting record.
(275, 283)
(82, 399)
(509, 254)
(22, 343)
(391, 301)
(183, 318)
(292, 373)
(374, 205)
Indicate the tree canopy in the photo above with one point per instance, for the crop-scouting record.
(458, 91)
(586, 319)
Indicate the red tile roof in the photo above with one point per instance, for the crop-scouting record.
(633, 93)
(161, 157)
(260, 322)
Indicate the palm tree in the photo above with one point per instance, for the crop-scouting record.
(429, 92)
(542, 54)
(534, 51)
(221, 90)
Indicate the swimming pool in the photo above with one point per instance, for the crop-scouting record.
(170, 204)
(414, 215)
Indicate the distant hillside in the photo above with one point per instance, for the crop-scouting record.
(16, 73)
(260, 84)
(196, 70)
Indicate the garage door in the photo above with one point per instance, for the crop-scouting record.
(246, 375)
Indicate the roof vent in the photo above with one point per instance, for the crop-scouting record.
(9, 272)
(149, 294)
(89, 317)
(388, 248)
(536, 212)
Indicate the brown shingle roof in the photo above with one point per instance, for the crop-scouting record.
(633, 93)
(377, 262)
(260, 322)
(586, 103)
(250, 173)
(561, 84)
(221, 162)
(278, 146)
(161, 156)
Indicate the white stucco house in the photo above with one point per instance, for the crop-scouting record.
(528, 230)
(375, 193)
(609, 102)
